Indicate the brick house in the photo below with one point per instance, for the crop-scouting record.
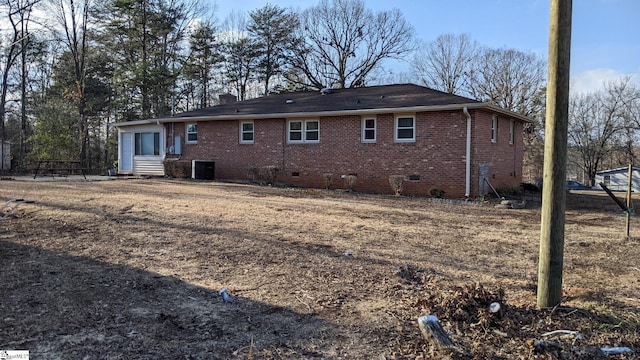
(434, 139)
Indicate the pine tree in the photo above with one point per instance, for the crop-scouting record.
(272, 30)
(203, 55)
(144, 39)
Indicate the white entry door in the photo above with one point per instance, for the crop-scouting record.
(126, 152)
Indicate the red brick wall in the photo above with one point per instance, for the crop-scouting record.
(437, 156)
(504, 159)
(219, 141)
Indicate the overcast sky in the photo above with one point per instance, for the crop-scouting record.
(605, 33)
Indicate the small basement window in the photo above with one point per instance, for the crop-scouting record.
(414, 177)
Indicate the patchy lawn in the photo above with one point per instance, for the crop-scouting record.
(132, 269)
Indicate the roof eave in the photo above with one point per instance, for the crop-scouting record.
(504, 112)
(300, 114)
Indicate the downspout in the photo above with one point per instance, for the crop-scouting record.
(467, 189)
(284, 142)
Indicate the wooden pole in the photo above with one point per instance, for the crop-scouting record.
(555, 155)
(630, 183)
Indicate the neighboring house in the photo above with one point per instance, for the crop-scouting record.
(435, 139)
(617, 179)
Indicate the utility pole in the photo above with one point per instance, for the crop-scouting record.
(555, 157)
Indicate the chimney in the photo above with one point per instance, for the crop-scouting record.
(226, 99)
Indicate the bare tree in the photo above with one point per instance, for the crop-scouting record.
(630, 93)
(342, 42)
(19, 15)
(10, 52)
(599, 121)
(444, 63)
(72, 18)
(509, 78)
(516, 81)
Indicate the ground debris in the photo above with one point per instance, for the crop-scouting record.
(87, 276)
(464, 310)
(433, 332)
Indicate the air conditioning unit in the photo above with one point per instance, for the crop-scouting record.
(203, 169)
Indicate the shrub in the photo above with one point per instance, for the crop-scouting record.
(436, 192)
(177, 169)
(397, 183)
(328, 180)
(269, 174)
(252, 174)
(350, 181)
(527, 187)
(506, 189)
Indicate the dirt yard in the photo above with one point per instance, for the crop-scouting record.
(132, 269)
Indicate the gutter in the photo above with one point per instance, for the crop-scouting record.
(467, 180)
(303, 114)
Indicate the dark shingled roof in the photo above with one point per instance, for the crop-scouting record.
(375, 97)
(364, 100)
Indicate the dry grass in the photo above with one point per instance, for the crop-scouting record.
(132, 269)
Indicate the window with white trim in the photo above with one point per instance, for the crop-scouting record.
(494, 129)
(246, 132)
(303, 131)
(147, 143)
(512, 125)
(191, 133)
(405, 128)
(369, 128)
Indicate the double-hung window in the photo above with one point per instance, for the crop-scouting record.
(192, 133)
(147, 143)
(405, 128)
(246, 133)
(369, 130)
(303, 131)
(494, 129)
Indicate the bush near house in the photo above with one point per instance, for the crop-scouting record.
(397, 183)
(177, 169)
(350, 181)
(328, 180)
(436, 192)
(270, 173)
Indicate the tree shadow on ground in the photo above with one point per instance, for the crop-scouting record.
(69, 307)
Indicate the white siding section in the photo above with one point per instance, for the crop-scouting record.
(143, 164)
(148, 165)
(618, 179)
